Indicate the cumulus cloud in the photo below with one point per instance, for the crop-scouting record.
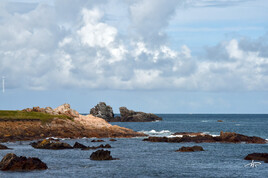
(49, 46)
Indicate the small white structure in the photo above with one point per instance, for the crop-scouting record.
(253, 164)
(3, 84)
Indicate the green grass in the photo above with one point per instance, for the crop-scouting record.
(20, 115)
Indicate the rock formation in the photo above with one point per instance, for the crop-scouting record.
(257, 156)
(190, 149)
(49, 144)
(101, 155)
(103, 111)
(132, 116)
(64, 109)
(229, 137)
(11, 162)
(3, 147)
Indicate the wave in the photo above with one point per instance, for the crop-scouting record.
(157, 133)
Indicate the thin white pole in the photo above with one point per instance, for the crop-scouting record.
(3, 84)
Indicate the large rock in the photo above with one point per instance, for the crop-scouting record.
(65, 109)
(49, 144)
(228, 137)
(11, 162)
(257, 156)
(133, 116)
(3, 147)
(101, 155)
(190, 149)
(103, 111)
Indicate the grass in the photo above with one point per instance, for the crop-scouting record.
(20, 115)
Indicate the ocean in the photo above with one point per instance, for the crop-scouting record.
(138, 158)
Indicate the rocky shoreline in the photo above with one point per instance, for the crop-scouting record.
(78, 126)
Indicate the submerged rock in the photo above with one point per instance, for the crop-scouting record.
(190, 149)
(97, 147)
(229, 137)
(3, 147)
(257, 156)
(97, 140)
(101, 155)
(12, 162)
(103, 111)
(49, 144)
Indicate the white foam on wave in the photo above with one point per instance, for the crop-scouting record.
(157, 133)
(204, 121)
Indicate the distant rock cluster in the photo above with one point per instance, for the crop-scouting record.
(106, 112)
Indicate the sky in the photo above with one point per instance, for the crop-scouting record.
(176, 56)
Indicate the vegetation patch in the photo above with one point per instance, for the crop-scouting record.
(9, 115)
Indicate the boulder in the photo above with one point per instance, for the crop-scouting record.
(190, 149)
(50, 144)
(12, 162)
(101, 155)
(133, 116)
(79, 145)
(103, 111)
(113, 140)
(257, 156)
(3, 147)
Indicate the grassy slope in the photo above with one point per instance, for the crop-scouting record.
(15, 115)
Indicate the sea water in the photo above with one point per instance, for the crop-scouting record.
(146, 159)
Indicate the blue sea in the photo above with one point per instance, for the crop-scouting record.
(145, 159)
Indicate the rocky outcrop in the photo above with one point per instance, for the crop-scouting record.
(190, 149)
(3, 147)
(229, 137)
(132, 116)
(11, 162)
(257, 156)
(64, 109)
(49, 144)
(79, 145)
(103, 111)
(78, 127)
(101, 155)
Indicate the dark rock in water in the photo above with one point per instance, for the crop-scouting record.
(3, 147)
(228, 137)
(103, 111)
(188, 133)
(79, 145)
(101, 155)
(219, 120)
(97, 141)
(113, 140)
(97, 147)
(257, 156)
(132, 116)
(11, 162)
(49, 144)
(190, 149)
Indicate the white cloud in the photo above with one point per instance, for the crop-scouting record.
(40, 49)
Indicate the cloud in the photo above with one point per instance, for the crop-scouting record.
(49, 46)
